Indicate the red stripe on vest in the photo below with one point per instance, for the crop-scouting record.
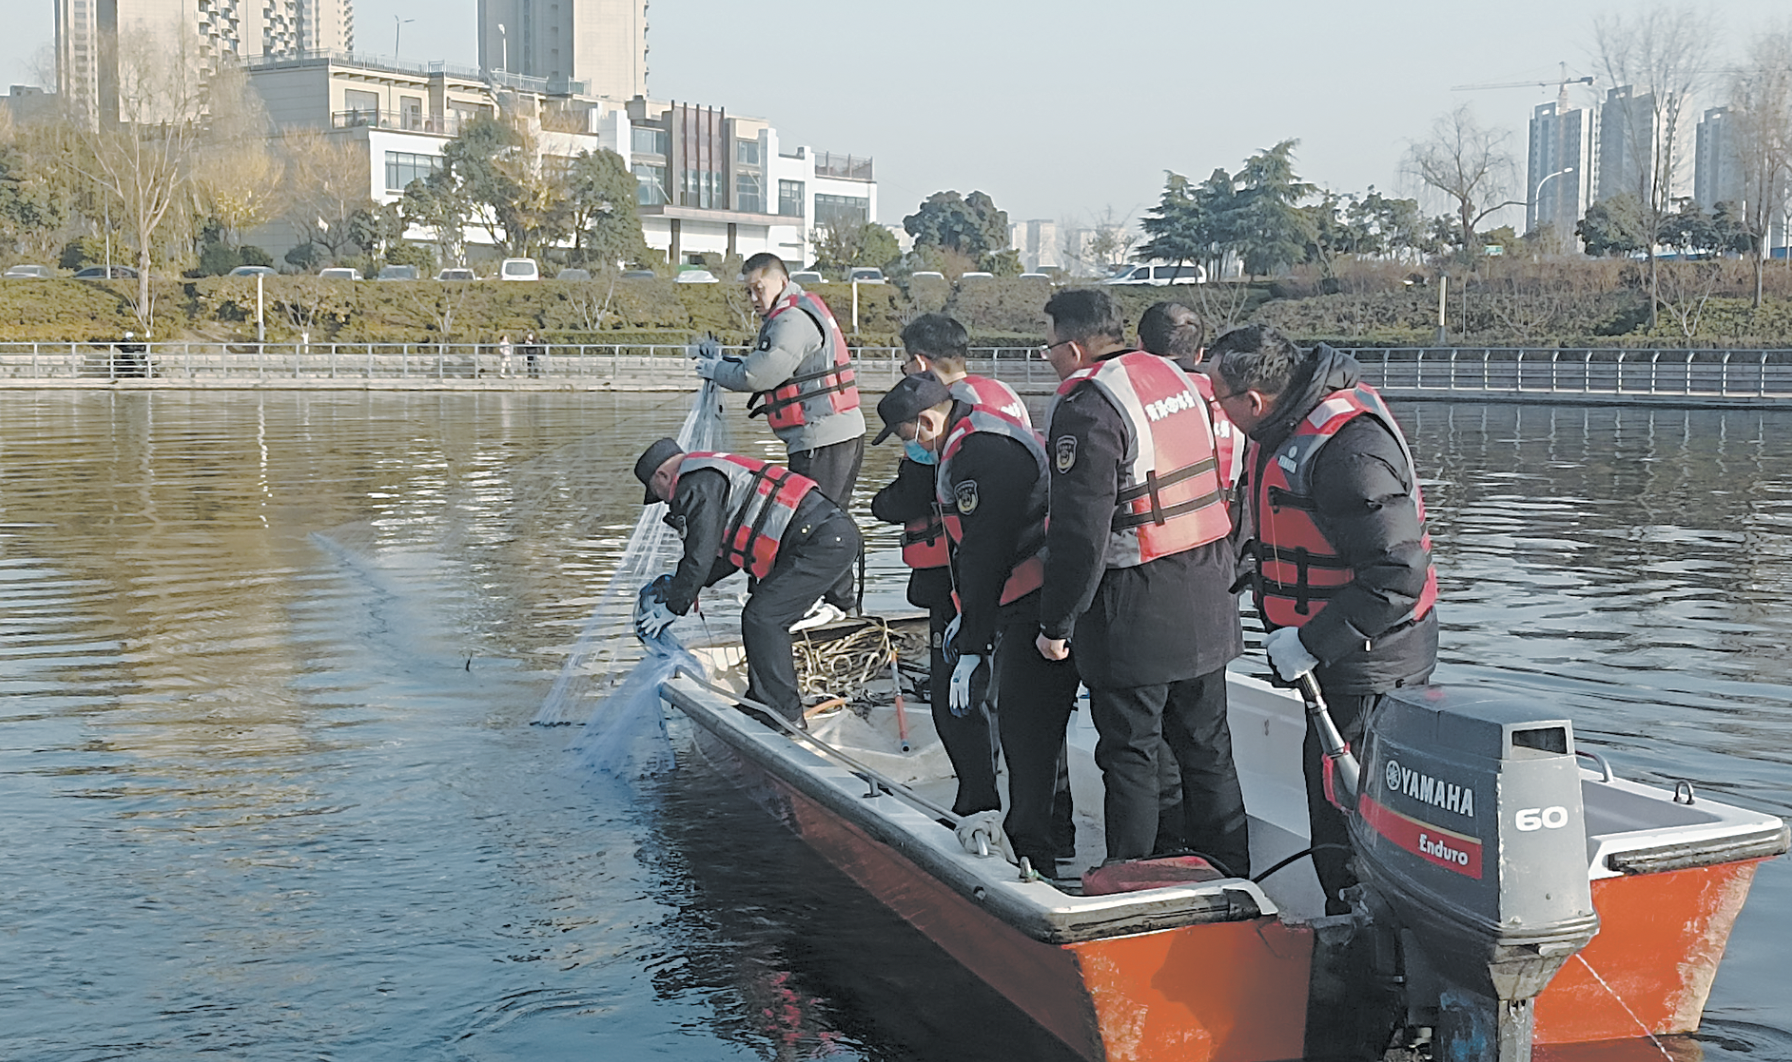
(762, 502)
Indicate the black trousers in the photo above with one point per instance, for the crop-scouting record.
(835, 469)
(1034, 698)
(969, 743)
(1326, 824)
(812, 558)
(1190, 715)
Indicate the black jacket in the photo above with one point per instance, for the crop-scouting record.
(993, 491)
(1363, 501)
(699, 513)
(910, 497)
(1169, 619)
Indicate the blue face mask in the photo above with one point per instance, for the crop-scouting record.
(919, 454)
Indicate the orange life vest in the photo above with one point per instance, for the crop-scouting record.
(823, 385)
(1298, 568)
(924, 542)
(1171, 495)
(1028, 571)
(983, 391)
(762, 501)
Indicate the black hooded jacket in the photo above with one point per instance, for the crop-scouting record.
(1363, 500)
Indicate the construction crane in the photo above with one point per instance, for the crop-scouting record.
(1561, 83)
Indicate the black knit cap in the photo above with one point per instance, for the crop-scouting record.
(650, 461)
(907, 399)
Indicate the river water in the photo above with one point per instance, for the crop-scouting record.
(268, 662)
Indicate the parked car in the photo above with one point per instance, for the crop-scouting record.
(254, 271)
(865, 275)
(639, 274)
(397, 272)
(696, 276)
(1158, 275)
(457, 274)
(975, 278)
(1047, 277)
(519, 269)
(806, 277)
(339, 273)
(28, 272)
(927, 274)
(573, 274)
(116, 272)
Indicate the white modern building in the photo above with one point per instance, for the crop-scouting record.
(1717, 175)
(1038, 244)
(706, 181)
(599, 43)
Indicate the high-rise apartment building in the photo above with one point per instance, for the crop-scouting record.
(600, 46)
(201, 32)
(1717, 175)
(1627, 144)
(1557, 171)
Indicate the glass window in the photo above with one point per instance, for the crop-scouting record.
(361, 102)
(402, 168)
(790, 198)
(749, 193)
(699, 188)
(650, 184)
(746, 152)
(649, 140)
(841, 209)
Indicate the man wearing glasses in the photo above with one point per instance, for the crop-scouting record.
(1138, 577)
(1344, 577)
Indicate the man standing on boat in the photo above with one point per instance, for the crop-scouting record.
(991, 491)
(1139, 569)
(1344, 577)
(740, 513)
(938, 344)
(801, 376)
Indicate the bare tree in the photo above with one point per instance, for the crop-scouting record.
(142, 161)
(237, 175)
(1104, 241)
(1661, 55)
(1761, 108)
(326, 185)
(1469, 164)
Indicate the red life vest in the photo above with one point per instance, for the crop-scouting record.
(762, 501)
(1228, 441)
(1298, 568)
(983, 391)
(924, 542)
(1027, 574)
(823, 384)
(1171, 496)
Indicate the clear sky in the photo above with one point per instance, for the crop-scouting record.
(1061, 110)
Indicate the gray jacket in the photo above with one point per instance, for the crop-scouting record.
(783, 344)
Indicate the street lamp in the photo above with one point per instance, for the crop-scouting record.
(503, 49)
(1537, 193)
(397, 24)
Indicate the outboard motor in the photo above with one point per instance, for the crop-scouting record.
(1468, 827)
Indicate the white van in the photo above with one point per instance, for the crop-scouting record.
(1159, 275)
(519, 269)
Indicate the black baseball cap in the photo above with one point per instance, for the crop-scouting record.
(907, 399)
(650, 461)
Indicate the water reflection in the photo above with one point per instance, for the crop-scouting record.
(267, 660)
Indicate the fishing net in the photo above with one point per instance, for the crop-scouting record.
(607, 648)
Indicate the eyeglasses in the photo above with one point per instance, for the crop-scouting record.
(1045, 352)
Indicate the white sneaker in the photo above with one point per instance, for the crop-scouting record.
(820, 614)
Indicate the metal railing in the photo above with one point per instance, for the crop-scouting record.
(406, 121)
(1598, 374)
(1591, 372)
(850, 167)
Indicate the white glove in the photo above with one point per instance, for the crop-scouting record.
(1287, 654)
(708, 347)
(706, 367)
(949, 638)
(958, 695)
(981, 835)
(652, 621)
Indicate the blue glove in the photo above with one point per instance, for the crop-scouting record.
(949, 639)
(652, 617)
(1288, 654)
(959, 697)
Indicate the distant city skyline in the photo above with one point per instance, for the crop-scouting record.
(1061, 113)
